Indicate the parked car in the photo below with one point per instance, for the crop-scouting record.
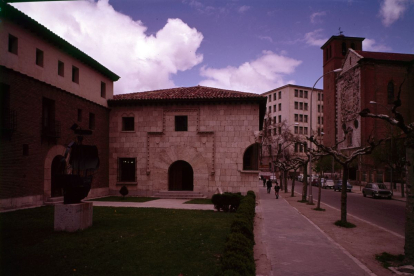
(338, 186)
(329, 183)
(315, 182)
(376, 190)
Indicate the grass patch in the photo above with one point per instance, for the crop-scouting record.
(199, 201)
(124, 199)
(318, 209)
(388, 260)
(122, 241)
(345, 225)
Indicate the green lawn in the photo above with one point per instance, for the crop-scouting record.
(124, 199)
(199, 201)
(122, 241)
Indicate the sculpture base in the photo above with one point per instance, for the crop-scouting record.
(73, 217)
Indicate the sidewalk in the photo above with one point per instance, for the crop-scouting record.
(295, 246)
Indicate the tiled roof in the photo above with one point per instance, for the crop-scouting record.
(9, 12)
(187, 93)
(386, 56)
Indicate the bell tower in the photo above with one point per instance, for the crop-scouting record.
(334, 52)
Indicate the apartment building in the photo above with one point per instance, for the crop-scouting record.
(293, 104)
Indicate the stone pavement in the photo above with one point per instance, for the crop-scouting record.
(295, 246)
(158, 203)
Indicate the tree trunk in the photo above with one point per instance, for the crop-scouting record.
(285, 175)
(280, 180)
(344, 193)
(409, 212)
(319, 193)
(293, 185)
(305, 182)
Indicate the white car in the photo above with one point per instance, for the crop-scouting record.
(329, 183)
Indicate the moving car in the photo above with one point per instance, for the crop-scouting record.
(338, 186)
(376, 190)
(329, 183)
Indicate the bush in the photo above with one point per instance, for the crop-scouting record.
(123, 191)
(238, 256)
(227, 202)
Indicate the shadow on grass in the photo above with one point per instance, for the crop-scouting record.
(124, 199)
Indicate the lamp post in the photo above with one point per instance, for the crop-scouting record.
(310, 199)
(392, 141)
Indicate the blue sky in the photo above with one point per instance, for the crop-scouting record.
(251, 46)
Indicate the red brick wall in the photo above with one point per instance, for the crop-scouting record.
(24, 175)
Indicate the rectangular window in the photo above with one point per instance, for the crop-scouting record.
(319, 96)
(301, 148)
(75, 74)
(274, 108)
(301, 106)
(274, 120)
(296, 130)
(300, 118)
(319, 108)
(280, 118)
(270, 109)
(103, 89)
(296, 105)
(306, 130)
(91, 121)
(79, 115)
(319, 120)
(306, 94)
(126, 169)
(280, 95)
(306, 106)
(296, 118)
(274, 96)
(280, 130)
(300, 93)
(270, 98)
(13, 44)
(61, 68)
(296, 93)
(39, 57)
(275, 131)
(181, 123)
(128, 124)
(280, 107)
(306, 118)
(300, 130)
(296, 147)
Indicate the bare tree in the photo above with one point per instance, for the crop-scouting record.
(397, 119)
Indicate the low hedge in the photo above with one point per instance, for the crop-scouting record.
(238, 259)
(227, 202)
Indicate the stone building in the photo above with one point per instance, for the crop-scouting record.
(46, 85)
(196, 139)
(291, 104)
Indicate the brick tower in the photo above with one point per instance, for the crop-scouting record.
(334, 52)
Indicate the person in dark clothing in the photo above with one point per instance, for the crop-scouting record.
(264, 181)
(277, 189)
(269, 185)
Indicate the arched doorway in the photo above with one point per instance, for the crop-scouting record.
(58, 168)
(180, 176)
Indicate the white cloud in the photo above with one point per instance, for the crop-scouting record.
(315, 38)
(262, 74)
(314, 18)
(243, 9)
(144, 62)
(371, 45)
(392, 10)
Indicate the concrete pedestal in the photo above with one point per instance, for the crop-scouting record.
(73, 217)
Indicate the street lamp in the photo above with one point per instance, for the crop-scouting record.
(311, 130)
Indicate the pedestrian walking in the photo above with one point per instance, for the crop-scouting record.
(277, 189)
(269, 185)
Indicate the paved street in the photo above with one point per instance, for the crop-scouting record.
(295, 246)
(389, 214)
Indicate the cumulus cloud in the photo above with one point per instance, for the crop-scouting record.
(371, 45)
(144, 62)
(262, 74)
(315, 38)
(243, 9)
(315, 17)
(392, 10)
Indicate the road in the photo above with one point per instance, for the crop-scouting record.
(389, 214)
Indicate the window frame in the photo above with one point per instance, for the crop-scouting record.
(181, 123)
(13, 44)
(39, 57)
(127, 125)
(75, 74)
(61, 68)
(126, 174)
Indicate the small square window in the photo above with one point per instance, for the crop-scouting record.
(181, 123)
(91, 121)
(103, 89)
(39, 57)
(79, 115)
(128, 124)
(61, 68)
(13, 44)
(75, 74)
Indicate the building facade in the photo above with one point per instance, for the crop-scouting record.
(46, 86)
(291, 105)
(197, 139)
